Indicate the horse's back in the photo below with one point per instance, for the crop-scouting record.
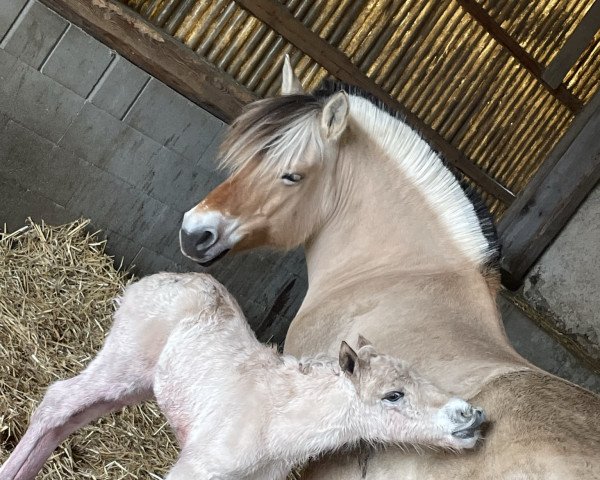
(541, 428)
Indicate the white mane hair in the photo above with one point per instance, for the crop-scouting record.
(277, 131)
(426, 170)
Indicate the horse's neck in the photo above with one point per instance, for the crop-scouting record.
(383, 222)
(320, 418)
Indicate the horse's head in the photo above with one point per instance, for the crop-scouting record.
(282, 154)
(400, 406)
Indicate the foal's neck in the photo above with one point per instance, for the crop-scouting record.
(322, 416)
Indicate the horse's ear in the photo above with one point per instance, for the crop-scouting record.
(348, 359)
(334, 117)
(363, 342)
(290, 84)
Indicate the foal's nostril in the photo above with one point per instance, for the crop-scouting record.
(468, 414)
(474, 417)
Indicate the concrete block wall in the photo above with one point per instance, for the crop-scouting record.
(83, 132)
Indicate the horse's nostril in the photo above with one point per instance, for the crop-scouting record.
(205, 240)
(204, 237)
(196, 243)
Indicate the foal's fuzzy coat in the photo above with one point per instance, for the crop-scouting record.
(239, 410)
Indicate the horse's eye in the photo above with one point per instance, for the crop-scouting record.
(291, 178)
(393, 397)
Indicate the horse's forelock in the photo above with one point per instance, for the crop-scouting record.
(275, 129)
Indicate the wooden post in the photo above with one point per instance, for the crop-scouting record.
(575, 45)
(157, 53)
(561, 93)
(563, 181)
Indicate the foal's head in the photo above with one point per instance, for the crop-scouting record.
(400, 406)
(282, 155)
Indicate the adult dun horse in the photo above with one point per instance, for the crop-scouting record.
(397, 251)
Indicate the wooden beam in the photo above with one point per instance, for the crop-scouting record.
(561, 93)
(279, 18)
(563, 181)
(575, 45)
(157, 53)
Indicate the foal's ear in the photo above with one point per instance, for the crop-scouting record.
(348, 359)
(334, 117)
(290, 84)
(363, 342)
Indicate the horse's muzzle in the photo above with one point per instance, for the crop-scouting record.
(200, 246)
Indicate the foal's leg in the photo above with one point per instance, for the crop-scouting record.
(188, 470)
(115, 378)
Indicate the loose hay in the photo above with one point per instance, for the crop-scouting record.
(56, 300)
(57, 288)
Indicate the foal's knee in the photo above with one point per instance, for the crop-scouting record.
(57, 404)
(184, 470)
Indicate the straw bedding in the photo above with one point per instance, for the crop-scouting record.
(57, 288)
(56, 299)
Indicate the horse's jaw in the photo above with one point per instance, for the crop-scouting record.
(208, 263)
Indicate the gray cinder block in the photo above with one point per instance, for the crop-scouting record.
(164, 237)
(7, 66)
(3, 120)
(32, 99)
(112, 203)
(119, 87)
(9, 10)
(34, 34)
(147, 261)
(101, 139)
(177, 181)
(78, 61)
(173, 121)
(37, 164)
(122, 249)
(18, 203)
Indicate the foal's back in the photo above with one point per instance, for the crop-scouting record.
(153, 307)
(211, 364)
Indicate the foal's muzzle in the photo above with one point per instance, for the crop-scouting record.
(472, 420)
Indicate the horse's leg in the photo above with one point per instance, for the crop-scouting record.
(115, 378)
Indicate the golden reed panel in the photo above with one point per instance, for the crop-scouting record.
(429, 54)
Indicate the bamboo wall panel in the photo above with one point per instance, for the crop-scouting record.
(540, 26)
(584, 78)
(431, 55)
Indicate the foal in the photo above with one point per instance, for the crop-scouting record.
(239, 409)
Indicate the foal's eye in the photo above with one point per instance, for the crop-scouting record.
(393, 397)
(291, 178)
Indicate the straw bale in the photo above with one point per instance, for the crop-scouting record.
(56, 300)
(57, 291)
